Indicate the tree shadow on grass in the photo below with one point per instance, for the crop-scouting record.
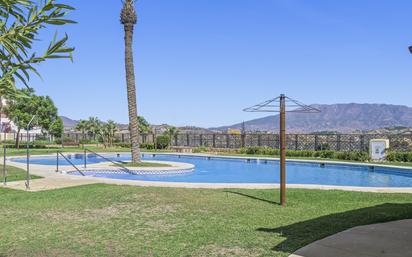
(303, 233)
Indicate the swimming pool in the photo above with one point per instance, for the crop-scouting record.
(234, 170)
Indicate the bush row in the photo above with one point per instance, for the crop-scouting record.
(399, 157)
(38, 144)
(162, 142)
(326, 154)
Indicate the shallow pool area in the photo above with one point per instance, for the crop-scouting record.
(246, 170)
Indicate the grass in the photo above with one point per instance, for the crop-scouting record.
(15, 174)
(108, 220)
(145, 164)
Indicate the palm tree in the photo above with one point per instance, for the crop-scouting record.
(128, 18)
(109, 129)
(81, 127)
(171, 133)
(93, 126)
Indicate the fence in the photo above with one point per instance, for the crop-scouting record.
(337, 142)
(23, 137)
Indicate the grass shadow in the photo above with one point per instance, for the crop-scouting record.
(303, 233)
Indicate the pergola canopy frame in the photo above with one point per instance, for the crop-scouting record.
(282, 104)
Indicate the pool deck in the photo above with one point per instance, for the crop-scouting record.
(55, 180)
(392, 239)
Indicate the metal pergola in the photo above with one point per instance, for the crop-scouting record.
(282, 104)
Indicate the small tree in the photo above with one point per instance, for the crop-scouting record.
(21, 110)
(21, 21)
(56, 129)
(162, 141)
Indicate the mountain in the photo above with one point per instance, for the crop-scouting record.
(68, 123)
(336, 117)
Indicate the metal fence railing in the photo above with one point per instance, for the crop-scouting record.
(337, 142)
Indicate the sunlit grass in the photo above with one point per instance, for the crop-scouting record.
(15, 174)
(106, 220)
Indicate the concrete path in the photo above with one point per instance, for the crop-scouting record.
(392, 239)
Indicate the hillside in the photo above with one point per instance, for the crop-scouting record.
(68, 123)
(336, 117)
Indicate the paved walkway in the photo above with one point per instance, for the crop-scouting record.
(392, 239)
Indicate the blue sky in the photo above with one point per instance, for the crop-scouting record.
(201, 62)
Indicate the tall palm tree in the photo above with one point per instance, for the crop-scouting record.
(128, 18)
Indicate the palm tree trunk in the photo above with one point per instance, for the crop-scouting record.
(131, 93)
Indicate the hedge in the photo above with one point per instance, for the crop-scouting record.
(399, 157)
(325, 154)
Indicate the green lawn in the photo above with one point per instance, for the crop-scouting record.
(106, 220)
(15, 174)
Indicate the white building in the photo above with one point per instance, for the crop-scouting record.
(8, 129)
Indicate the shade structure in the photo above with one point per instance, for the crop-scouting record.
(273, 105)
(282, 104)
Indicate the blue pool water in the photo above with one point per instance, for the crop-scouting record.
(222, 170)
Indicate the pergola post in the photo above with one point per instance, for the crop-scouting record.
(282, 140)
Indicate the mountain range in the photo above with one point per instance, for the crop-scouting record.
(342, 118)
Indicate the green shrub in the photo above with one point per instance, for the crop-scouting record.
(200, 149)
(253, 150)
(239, 151)
(85, 141)
(269, 151)
(147, 146)
(324, 154)
(162, 141)
(9, 142)
(399, 156)
(303, 153)
(258, 150)
(65, 140)
(122, 145)
(38, 144)
(351, 156)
